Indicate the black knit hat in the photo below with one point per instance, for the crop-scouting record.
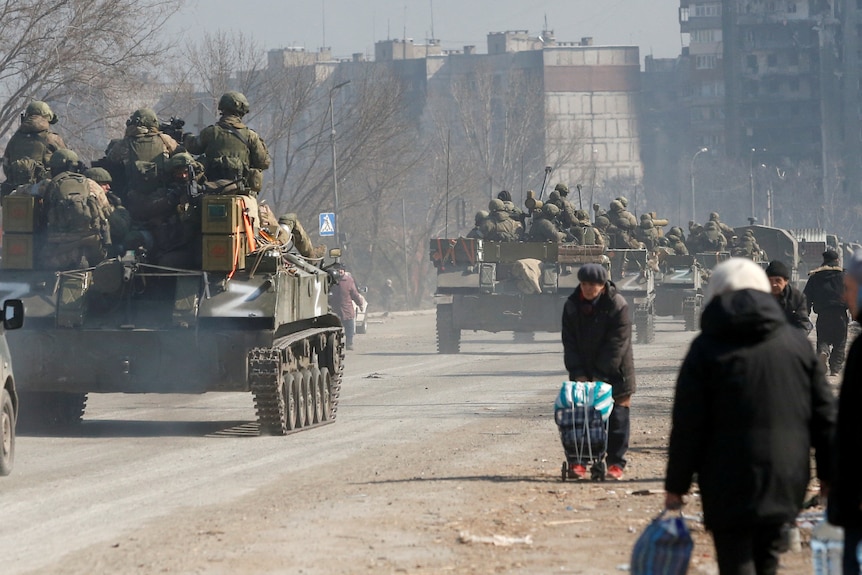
(778, 269)
(830, 256)
(593, 273)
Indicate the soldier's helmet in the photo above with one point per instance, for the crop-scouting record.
(234, 103)
(713, 216)
(672, 237)
(63, 161)
(645, 217)
(496, 205)
(554, 196)
(550, 210)
(602, 222)
(582, 215)
(677, 231)
(40, 108)
(749, 233)
(505, 196)
(179, 161)
(647, 223)
(710, 225)
(562, 188)
(480, 217)
(99, 175)
(623, 200)
(144, 117)
(617, 206)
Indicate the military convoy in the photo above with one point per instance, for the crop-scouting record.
(253, 318)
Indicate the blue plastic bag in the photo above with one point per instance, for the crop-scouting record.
(664, 547)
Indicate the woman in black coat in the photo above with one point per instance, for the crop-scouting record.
(845, 493)
(751, 400)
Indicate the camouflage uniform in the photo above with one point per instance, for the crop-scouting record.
(499, 226)
(231, 150)
(29, 150)
(289, 223)
(714, 240)
(478, 220)
(646, 233)
(118, 216)
(624, 223)
(726, 230)
(584, 233)
(544, 227)
(137, 159)
(676, 244)
(66, 249)
(602, 224)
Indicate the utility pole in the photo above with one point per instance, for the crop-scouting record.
(334, 162)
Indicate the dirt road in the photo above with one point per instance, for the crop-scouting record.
(437, 464)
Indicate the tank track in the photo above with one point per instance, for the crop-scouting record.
(296, 384)
(691, 308)
(448, 336)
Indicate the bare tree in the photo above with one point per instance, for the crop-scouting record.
(83, 56)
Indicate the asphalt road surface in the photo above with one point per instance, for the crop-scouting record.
(436, 464)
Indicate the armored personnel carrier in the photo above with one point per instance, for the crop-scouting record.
(679, 290)
(635, 280)
(503, 286)
(253, 318)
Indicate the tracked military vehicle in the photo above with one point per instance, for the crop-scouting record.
(635, 280)
(679, 290)
(503, 286)
(253, 317)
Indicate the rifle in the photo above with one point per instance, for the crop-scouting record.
(580, 202)
(173, 128)
(548, 171)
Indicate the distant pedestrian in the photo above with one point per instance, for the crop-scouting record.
(845, 492)
(791, 300)
(751, 401)
(825, 293)
(343, 294)
(387, 294)
(597, 346)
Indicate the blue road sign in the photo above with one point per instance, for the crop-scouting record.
(327, 224)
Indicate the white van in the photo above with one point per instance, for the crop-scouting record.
(13, 318)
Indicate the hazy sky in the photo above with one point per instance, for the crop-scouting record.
(354, 25)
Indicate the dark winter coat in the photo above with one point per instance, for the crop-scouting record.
(597, 340)
(825, 289)
(795, 307)
(845, 492)
(751, 400)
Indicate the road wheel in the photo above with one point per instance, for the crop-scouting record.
(290, 412)
(316, 395)
(326, 394)
(448, 336)
(7, 428)
(301, 397)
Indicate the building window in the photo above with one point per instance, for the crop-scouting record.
(706, 62)
(791, 7)
(683, 14)
(707, 10)
(751, 62)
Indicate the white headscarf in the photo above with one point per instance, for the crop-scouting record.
(736, 274)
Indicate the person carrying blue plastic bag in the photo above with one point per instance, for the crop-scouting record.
(751, 401)
(597, 346)
(664, 547)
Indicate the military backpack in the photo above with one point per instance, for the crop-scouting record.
(227, 157)
(145, 163)
(27, 154)
(72, 209)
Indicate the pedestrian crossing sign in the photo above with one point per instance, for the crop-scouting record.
(327, 224)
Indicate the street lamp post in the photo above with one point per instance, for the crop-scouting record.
(691, 172)
(334, 162)
(752, 218)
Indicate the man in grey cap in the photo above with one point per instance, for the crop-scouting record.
(825, 293)
(597, 346)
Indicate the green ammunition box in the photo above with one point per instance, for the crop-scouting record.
(17, 251)
(19, 214)
(223, 253)
(221, 215)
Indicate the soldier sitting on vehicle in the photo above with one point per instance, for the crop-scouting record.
(500, 226)
(119, 218)
(166, 222)
(726, 230)
(231, 150)
(478, 221)
(78, 234)
(544, 227)
(584, 233)
(676, 244)
(714, 240)
(29, 150)
(602, 225)
(646, 233)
